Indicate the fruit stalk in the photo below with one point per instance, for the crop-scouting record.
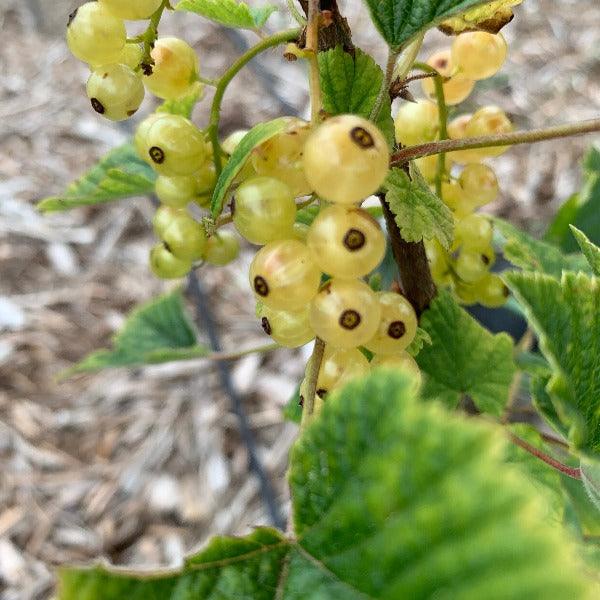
(312, 48)
(312, 374)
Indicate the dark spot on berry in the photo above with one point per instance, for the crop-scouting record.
(485, 259)
(396, 330)
(441, 63)
(132, 112)
(261, 287)
(157, 155)
(97, 106)
(72, 17)
(266, 325)
(505, 291)
(322, 393)
(167, 247)
(361, 137)
(350, 319)
(105, 75)
(354, 240)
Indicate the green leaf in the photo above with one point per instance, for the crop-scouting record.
(419, 213)
(120, 174)
(590, 250)
(229, 12)
(183, 106)
(490, 17)
(400, 20)
(229, 568)
(394, 499)
(255, 137)
(292, 411)
(565, 315)
(530, 254)
(351, 85)
(464, 358)
(422, 338)
(543, 402)
(157, 332)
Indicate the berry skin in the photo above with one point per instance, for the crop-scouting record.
(184, 237)
(141, 133)
(346, 242)
(402, 362)
(473, 264)
(290, 329)
(456, 89)
(264, 210)
(283, 275)
(457, 130)
(131, 56)
(345, 313)
(489, 120)
(474, 232)
(173, 145)
(163, 217)
(479, 55)
(94, 35)
(491, 291)
(132, 10)
(176, 191)
(221, 248)
(455, 199)
(167, 266)
(346, 159)
(397, 327)
(438, 263)
(339, 367)
(175, 70)
(281, 157)
(479, 183)
(115, 91)
(417, 123)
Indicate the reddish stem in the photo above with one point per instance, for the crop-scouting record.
(575, 473)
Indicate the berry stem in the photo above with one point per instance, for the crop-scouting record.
(148, 38)
(312, 49)
(438, 81)
(411, 259)
(490, 141)
(230, 356)
(385, 84)
(296, 14)
(215, 111)
(312, 375)
(575, 473)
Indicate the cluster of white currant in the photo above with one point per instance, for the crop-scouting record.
(342, 161)
(468, 183)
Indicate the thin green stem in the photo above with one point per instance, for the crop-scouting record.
(438, 82)
(312, 375)
(296, 14)
(225, 80)
(312, 49)
(208, 81)
(149, 37)
(229, 356)
(385, 84)
(492, 141)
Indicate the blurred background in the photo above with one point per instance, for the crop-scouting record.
(140, 467)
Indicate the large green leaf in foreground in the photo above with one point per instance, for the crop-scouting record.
(392, 499)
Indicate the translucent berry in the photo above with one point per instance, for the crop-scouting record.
(132, 9)
(439, 263)
(281, 157)
(397, 327)
(339, 367)
(457, 130)
(491, 291)
(167, 266)
(94, 35)
(283, 275)
(173, 145)
(457, 88)
(115, 91)
(489, 120)
(176, 191)
(417, 122)
(345, 313)
(184, 237)
(346, 242)
(131, 56)
(455, 198)
(264, 210)
(346, 159)
(175, 69)
(221, 248)
(478, 54)
(142, 130)
(474, 232)
(401, 362)
(473, 264)
(479, 183)
(290, 329)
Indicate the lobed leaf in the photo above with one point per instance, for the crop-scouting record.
(419, 213)
(400, 20)
(464, 358)
(590, 250)
(120, 174)
(351, 84)
(255, 137)
(157, 332)
(565, 314)
(229, 12)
